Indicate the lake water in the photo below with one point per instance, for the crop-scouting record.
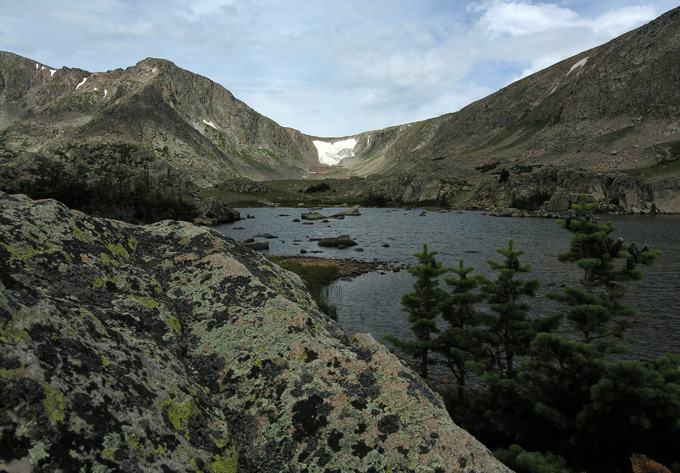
(371, 302)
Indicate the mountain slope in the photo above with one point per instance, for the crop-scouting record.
(613, 108)
(176, 116)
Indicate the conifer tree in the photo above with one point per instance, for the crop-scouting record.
(596, 310)
(459, 343)
(508, 329)
(422, 306)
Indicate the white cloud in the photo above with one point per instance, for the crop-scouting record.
(616, 22)
(522, 18)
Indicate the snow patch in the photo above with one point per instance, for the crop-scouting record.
(581, 63)
(52, 71)
(209, 123)
(332, 153)
(81, 82)
(106, 91)
(37, 66)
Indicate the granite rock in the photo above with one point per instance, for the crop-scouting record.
(169, 347)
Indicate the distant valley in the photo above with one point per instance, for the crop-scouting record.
(156, 141)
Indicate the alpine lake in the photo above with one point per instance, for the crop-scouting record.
(371, 302)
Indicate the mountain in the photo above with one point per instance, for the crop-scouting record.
(613, 108)
(133, 143)
(152, 127)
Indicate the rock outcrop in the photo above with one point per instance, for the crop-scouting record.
(554, 189)
(171, 348)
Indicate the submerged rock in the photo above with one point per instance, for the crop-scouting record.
(170, 347)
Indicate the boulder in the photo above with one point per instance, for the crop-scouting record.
(215, 212)
(170, 347)
(340, 241)
(353, 212)
(312, 216)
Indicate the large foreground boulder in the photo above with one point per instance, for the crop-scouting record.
(170, 348)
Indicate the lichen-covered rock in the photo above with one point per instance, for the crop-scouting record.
(171, 348)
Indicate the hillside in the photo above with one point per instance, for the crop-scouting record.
(152, 127)
(613, 108)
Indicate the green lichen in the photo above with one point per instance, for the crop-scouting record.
(108, 261)
(133, 243)
(101, 282)
(220, 443)
(54, 404)
(80, 234)
(174, 323)
(85, 312)
(22, 252)
(108, 453)
(158, 289)
(10, 335)
(225, 465)
(133, 442)
(11, 373)
(105, 363)
(184, 241)
(111, 444)
(179, 413)
(118, 250)
(158, 450)
(193, 463)
(148, 303)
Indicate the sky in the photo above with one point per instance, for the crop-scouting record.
(329, 68)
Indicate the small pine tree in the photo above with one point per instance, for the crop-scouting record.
(422, 306)
(596, 310)
(458, 344)
(509, 330)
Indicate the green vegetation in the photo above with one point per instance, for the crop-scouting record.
(108, 179)
(545, 401)
(667, 167)
(316, 277)
(422, 306)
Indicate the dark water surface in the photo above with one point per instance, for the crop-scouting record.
(371, 302)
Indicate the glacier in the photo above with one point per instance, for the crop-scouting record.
(332, 153)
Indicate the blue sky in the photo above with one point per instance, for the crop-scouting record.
(329, 67)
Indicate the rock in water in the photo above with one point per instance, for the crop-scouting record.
(171, 348)
(342, 241)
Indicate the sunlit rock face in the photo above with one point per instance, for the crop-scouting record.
(332, 153)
